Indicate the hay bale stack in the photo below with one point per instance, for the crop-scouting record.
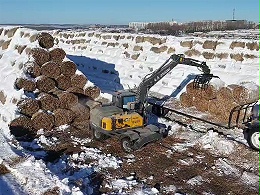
(81, 113)
(45, 84)
(28, 106)
(78, 80)
(26, 84)
(67, 100)
(62, 117)
(76, 90)
(48, 102)
(200, 103)
(33, 69)
(63, 82)
(186, 100)
(246, 93)
(57, 55)
(92, 92)
(68, 68)
(51, 69)
(41, 56)
(225, 94)
(42, 120)
(45, 40)
(21, 126)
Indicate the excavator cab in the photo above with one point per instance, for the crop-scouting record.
(124, 99)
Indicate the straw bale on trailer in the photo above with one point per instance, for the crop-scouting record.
(26, 84)
(68, 68)
(78, 80)
(225, 94)
(42, 120)
(57, 55)
(48, 102)
(33, 69)
(45, 40)
(28, 106)
(20, 126)
(40, 56)
(50, 69)
(92, 92)
(63, 82)
(67, 100)
(45, 84)
(186, 100)
(246, 93)
(200, 103)
(62, 117)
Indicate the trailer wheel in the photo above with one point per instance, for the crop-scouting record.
(97, 135)
(127, 144)
(253, 138)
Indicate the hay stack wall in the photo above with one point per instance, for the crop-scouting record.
(51, 105)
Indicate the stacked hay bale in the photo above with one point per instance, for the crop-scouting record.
(219, 100)
(56, 86)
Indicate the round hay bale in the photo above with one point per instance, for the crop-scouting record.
(76, 90)
(33, 69)
(48, 102)
(42, 120)
(50, 69)
(45, 40)
(201, 103)
(40, 56)
(246, 93)
(225, 94)
(67, 100)
(78, 80)
(81, 112)
(68, 68)
(92, 92)
(63, 82)
(62, 117)
(57, 55)
(28, 106)
(55, 92)
(21, 126)
(45, 84)
(25, 84)
(186, 99)
(191, 90)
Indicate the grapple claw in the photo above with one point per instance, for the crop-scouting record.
(201, 81)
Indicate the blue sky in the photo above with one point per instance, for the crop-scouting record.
(123, 11)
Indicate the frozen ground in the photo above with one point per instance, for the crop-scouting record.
(186, 162)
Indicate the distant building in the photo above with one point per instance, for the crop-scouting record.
(138, 25)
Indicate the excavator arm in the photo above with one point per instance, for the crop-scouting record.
(152, 78)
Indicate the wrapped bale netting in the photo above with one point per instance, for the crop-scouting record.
(62, 117)
(45, 40)
(26, 84)
(92, 92)
(57, 55)
(68, 68)
(45, 84)
(76, 90)
(50, 69)
(186, 100)
(28, 106)
(246, 93)
(42, 120)
(48, 102)
(78, 80)
(40, 56)
(33, 69)
(67, 100)
(21, 126)
(63, 82)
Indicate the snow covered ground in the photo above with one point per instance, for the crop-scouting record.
(113, 62)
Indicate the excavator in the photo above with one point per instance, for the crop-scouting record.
(126, 116)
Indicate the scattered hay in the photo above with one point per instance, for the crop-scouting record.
(135, 56)
(25, 84)
(105, 37)
(171, 50)
(188, 44)
(125, 45)
(45, 40)
(68, 68)
(33, 38)
(62, 117)
(92, 92)
(2, 97)
(48, 102)
(250, 56)
(237, 57)
(1, 42)
(11, 32)
(237, 44)
(208, 55)
(20, 48)
(33, 69)
(139, 39)
(6, 44)
(3, 169)
(63, 82)
(192, 52)
(78, 80)
(57, 55)
(21, 126)
(45, 84)
(138, 48)
(51, 69)
(67, 100)
(112, 44)
(159, 49)
(28, 106)
(253, 46)
(210, 45)
(41, 56)
(127, 55)
(42, 120)
(222, 55)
